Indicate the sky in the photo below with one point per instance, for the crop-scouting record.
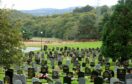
(59, 4)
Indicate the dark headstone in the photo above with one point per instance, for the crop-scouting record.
(67, 80)
(65, 69)
(98, 80)
(87, 71)
(31, 73)
(92, 64)
(107, 75)
(83, 64)
(55, 75)
(80, 74)
(7, 80)
(44, 69)
(94, 74)
(121, 74)
(9, 73)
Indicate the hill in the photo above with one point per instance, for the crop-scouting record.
(48, 11)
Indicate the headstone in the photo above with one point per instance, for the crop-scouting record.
(83, 64)
(128, 77)
(31, 73)
(87, 71)
(80, 74)
(67, 80)
(94, 74)
(98, 80)
(99, 72)
(121, 74)
(81, 80)
(44, 69)
(9, 73)
(92, 64)
(107, 75)
(7, 80)
(98, 67)
(1, 82)
(17, 82)
(65, 69)
(55, 75)
(70, 74)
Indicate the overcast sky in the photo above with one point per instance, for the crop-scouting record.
(59, 4)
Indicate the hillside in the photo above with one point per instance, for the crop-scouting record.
(48, 11)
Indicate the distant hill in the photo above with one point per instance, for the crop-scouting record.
(48, 11)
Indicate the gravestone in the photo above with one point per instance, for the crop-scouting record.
(128, 77)
(98, 67)
(83, 64)
(81, 80)
(121, 74)
(7, 80)
(9, 73)
(1, 82)
(94, 74)
(70, 74)
(87, 71)
(92, 64)
(65, 69)
(80, 74)
(31, 73)
(126, 63)
(67, 80)
(107, 75)
(98, 80)
(44, 69)
(55, 75)
(99, 72)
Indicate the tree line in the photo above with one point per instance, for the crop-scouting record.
(82, 23)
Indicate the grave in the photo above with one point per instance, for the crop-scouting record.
(9, 73)
(94, 74)
(44, 69)
(107, 75)
(7, 80)
(92, 64)
(83, 64)
(98, 80)
(55, 75)
(121, 74)
(31, 73)
(87, 71)
(65, 69)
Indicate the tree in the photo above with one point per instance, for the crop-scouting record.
(117, 33)
(10, 40)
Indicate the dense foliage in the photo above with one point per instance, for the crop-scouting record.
(117, 34)
(82, 23)
(10, 40)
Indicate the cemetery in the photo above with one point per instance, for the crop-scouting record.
(66, 65)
